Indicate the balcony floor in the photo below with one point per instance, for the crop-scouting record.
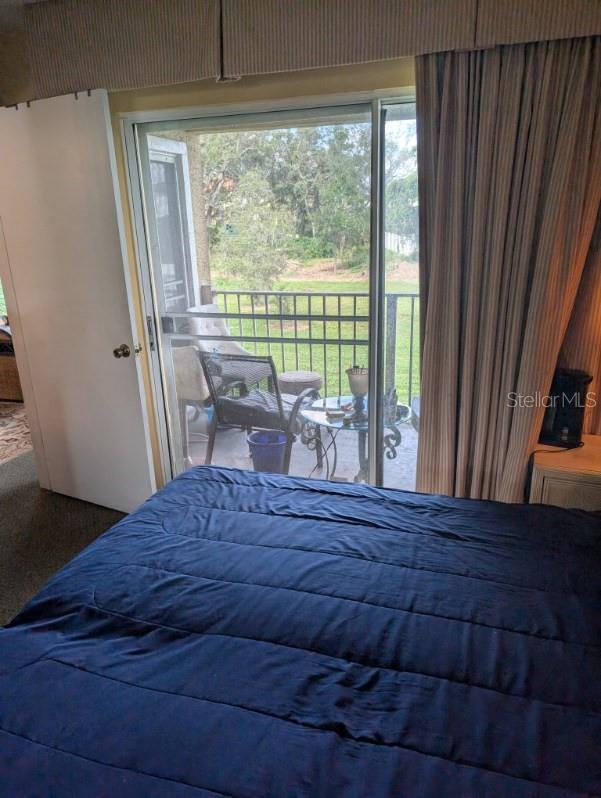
(231, 450)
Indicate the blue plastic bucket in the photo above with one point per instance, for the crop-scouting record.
(267, 449)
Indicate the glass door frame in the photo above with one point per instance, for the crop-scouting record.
(162, 378)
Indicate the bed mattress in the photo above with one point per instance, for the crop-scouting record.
(250, 635)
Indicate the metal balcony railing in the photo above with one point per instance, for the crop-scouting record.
(326, 332)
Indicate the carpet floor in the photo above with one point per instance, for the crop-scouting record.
(40, 531)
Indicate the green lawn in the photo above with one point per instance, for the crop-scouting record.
(2, 302)
(330, 360)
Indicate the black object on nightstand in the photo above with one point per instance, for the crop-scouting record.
(564, 416)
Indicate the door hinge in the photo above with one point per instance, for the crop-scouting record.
(151, 337)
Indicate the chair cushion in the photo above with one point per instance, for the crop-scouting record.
(295, 382)
(250, 372)
(258, 409)
(190, 383)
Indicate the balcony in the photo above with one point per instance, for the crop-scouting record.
(323, 332)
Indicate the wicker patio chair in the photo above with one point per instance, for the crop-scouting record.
(252, 401)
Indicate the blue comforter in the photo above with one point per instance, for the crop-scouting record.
(254, 635)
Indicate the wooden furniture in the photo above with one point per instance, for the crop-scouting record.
(568, 478)
(10, 384)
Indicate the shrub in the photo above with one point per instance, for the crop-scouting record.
(304, 248)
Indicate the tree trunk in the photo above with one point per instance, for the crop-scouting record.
(199, 210)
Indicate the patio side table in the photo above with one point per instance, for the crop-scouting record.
(316, 418)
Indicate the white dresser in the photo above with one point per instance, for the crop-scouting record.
(568, 478)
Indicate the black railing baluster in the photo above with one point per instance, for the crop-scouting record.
(310, 331)
(339, 345)
(267, 323)
(354, 332)
(325, 351)
(410, 391)
(282, 334)
(252, 305)
(295, 334)
(390, 342)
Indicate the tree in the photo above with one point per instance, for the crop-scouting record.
(341, 217)
(401, 211)
(255, 233)
(402, 208)
(313, 180)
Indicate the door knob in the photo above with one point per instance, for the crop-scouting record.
(122, 351)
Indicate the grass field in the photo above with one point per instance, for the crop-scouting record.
(330, 360)
(2, 302)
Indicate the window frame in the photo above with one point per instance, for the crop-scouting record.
(134, 124)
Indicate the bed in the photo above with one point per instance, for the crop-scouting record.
(250, 635)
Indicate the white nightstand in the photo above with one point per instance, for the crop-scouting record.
(569, 478)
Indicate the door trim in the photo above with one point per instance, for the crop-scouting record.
(129, 291)
(375, 453)
(22, 359)
(133, 174)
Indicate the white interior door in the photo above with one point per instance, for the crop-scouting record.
(62, 261)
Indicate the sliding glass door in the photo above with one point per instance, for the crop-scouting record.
(399, 340)
(262, 289)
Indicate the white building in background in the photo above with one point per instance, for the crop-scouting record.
(399, 244)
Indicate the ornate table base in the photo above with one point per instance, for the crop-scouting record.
(317, 422)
